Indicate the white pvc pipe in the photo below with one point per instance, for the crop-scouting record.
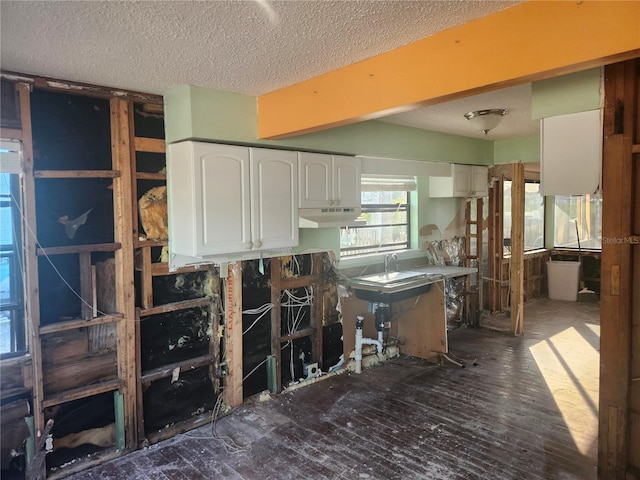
(371, 341)
(364, 341)
(358, 355)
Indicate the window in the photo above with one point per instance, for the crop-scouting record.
(533, 217)
(11, 324)
(386, 209)
(12, 338)
(578, 217)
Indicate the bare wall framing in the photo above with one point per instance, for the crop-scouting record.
(124, 353)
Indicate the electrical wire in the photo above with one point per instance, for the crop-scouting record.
(254, 369)
(228, 443)
(260, 311)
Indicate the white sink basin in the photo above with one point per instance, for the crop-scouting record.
(389, 277)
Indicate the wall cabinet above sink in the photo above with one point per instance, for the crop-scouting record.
(329, 181)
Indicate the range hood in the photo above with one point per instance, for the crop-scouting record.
(330, 217)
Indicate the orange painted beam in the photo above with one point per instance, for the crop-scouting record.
(529, 41)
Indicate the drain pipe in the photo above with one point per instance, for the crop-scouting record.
(363, 341)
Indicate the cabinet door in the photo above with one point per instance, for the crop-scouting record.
(274, 199)
(222, 189)
(571, 149)
(181, 198)
(315, 175)
(479, 181)
(461, 175)
(346, 181)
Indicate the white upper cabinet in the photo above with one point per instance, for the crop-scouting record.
(479, 181)
(571, 147)
(346, 181)
(316, 180)
(465, 181)
(274, 188)
(329, 180)
(230, 199)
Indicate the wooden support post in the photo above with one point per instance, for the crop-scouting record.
(479, 257)
(495, 244)
(316, 309)
(619, 421)
(214, 321)
(276, 321)
(233, 335)
(139, 402)
(121, 151)
(30, 281)
(86, 286)
(146, 279)
(517, 248)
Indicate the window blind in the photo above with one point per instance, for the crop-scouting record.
(385, 183)
(10, 156)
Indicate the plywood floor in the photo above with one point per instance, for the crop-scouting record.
(527, 409)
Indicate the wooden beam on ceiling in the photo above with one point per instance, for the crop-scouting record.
(529, 41)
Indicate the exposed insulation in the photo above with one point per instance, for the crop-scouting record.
(184, 286)
(153, 213)
(80, 427)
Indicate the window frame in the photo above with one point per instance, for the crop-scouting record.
(587, 199)
(394, 247)
(506, 247)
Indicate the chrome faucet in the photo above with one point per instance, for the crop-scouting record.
(390, 258)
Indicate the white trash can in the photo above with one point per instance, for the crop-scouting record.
(562, 280)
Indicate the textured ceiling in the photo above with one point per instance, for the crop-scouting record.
(249, 46)
(449, 117)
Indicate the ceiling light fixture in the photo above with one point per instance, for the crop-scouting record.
(486, 119)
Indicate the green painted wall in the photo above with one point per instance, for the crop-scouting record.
(197, 113)
(313, 239)
(576, 92)
(525, 150)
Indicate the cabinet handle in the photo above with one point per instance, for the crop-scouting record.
(248, 245)
(258, 244)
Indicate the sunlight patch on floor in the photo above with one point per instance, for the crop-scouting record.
(594, 328)
(570, 367)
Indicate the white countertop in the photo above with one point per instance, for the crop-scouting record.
(446, 271)
(432, 274)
